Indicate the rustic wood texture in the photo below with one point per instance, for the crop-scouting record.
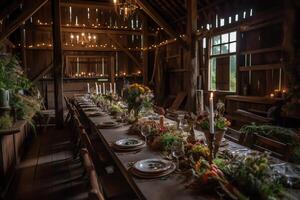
(58, 64)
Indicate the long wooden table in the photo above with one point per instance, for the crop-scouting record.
(172, 187)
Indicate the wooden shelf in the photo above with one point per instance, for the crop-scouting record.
(264, 50)
(260, 67)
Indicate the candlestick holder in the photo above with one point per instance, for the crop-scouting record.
(213, 141)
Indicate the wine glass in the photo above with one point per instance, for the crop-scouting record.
(177, 150)
(145, 131)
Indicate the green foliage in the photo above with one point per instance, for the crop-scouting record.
(251, 175)
(277, 133)
(167, 139)
(13, 79)
(5, 122)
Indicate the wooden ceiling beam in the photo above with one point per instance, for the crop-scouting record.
(26, 14)
(152, 13)
(87, 4)
(129, 54)
(169, 12)
(74, 29)
(70, 48)
(10, 8)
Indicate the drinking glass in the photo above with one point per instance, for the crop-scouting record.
(177, 150)
(145, 131)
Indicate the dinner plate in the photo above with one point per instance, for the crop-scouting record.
(108, 125)
(153, 175)
(122, 150)
(96, 114)
(93, 109)
(129, 143)
(152, 165)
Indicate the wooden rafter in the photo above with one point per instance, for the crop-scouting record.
(87, 4)
(160, 21)
(43, 73)
(98, 30)
(26, 14)
(9, 9)
(124, 50)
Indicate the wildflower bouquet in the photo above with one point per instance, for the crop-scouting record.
(138, 96)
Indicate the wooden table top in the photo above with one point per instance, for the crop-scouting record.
(173, 187)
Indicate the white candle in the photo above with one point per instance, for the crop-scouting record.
(110, 88)
(115, 88)
(104, 90)
(97, 91)
(100, 89)
(201, 101)
(88, 88)
(211, 111)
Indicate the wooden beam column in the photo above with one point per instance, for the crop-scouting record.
(145, 44)
(190, 54)
(57, 64)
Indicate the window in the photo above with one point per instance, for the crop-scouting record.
(222, 64)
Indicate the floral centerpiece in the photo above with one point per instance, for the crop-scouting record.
(220, 124)
(138, 96)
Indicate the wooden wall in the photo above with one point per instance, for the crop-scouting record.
(104, 32)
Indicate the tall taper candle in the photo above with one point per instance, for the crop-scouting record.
(211, 113)
(115, 88)
(104, 89)
(110, 88)
(88, 88)
(100, 89)
(96, 87)
(201, 101)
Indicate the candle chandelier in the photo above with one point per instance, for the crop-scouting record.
(125, 7)
(83, 38)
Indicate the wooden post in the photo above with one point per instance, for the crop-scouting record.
(190, 54)
(57, 64)
(145, 52)
(288, 39)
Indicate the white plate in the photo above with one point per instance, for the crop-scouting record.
(129, 142)
(152, 165)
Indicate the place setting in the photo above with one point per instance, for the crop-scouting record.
(109, 125)
(152, 168)
(128, 145)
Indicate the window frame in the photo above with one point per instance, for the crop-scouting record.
(222, 55)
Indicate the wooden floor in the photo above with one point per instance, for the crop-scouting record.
(48, 170)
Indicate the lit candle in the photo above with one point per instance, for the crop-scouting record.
(211, 116)
(110, 88)
(115, 88)
(272, 95)
(201, 101)
(97, 91)
(100, 89)
(88, 88)
(104, 89)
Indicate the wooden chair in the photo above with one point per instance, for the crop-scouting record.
(277, 149)
(252, 117)
(234, 136)
(96, 192)
(114, 184)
